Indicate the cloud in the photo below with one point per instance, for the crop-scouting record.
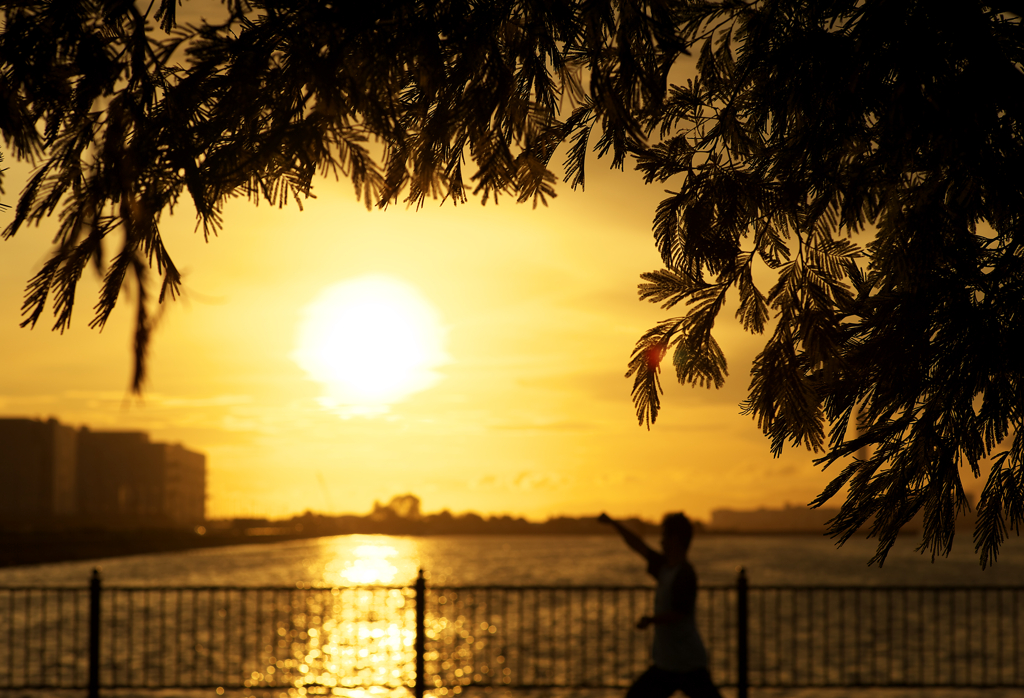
(606, 386)
(169, 402)
(153, 400)
(528, 480)
(612, 386)
(12, 403)
(546, 426)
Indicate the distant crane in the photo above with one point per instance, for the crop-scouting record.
(327, 493)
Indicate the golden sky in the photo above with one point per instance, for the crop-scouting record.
(531, 414)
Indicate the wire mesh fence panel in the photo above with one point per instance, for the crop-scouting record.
(533, 637)
(316, 639)
(885, 636)
(330, 640)
(570, 637)
(43, 638)
(717, 622)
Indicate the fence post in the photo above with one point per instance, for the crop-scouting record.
(742, 639)
(94, 634)
(421, 608)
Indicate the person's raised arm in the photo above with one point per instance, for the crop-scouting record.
(632, 540)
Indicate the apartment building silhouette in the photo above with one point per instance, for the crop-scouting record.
(54, 475)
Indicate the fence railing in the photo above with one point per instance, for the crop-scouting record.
(886, 636)
(445, 639)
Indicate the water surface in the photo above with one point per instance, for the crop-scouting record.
(355, 560)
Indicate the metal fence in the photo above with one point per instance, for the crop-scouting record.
(885, 636)
(558, 637)
(443, 639)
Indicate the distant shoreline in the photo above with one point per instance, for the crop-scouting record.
(39, 548)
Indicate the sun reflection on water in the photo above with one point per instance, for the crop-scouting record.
(353, 636)
(371, 566)
(366, 560)
(356, 642)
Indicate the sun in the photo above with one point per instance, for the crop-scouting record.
(371, 341)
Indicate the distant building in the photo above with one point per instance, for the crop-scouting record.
(791, 519)
(185, 485)
(802, 519)
(51, 472)
(37, 472)
(127, 480)
(403, 506)
(120, 481)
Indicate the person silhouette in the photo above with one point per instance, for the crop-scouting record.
(680, 660)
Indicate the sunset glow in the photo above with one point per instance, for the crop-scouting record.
(522, 322)
(370, 342)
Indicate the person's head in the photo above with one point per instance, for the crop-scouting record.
(676, 533)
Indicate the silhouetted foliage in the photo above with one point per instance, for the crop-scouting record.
(124, 112)
(862, 154)
(866, 152)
